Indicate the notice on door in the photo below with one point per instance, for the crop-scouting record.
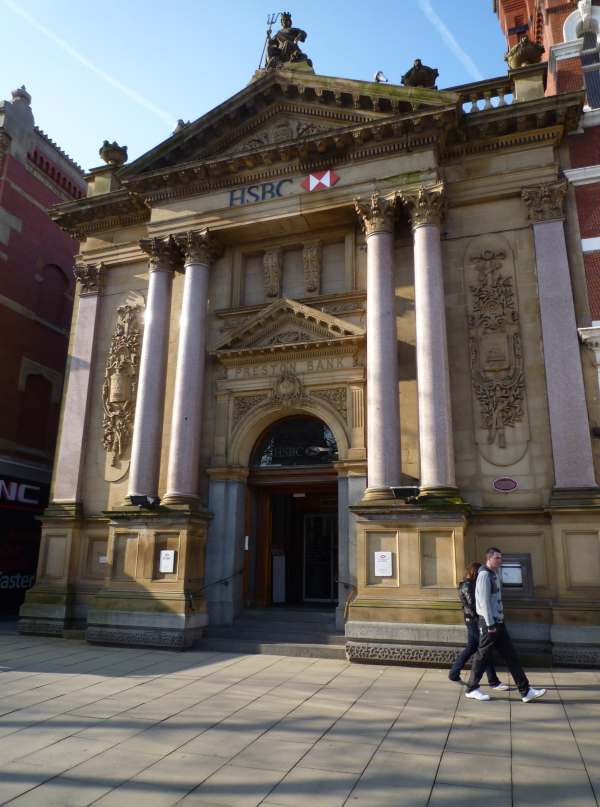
(383, 564)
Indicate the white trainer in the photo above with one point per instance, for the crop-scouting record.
(501, 687)
(477, 695)
(532, 694)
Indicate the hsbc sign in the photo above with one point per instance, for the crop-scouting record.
(250, 194)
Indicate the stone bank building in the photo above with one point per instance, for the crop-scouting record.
(324, 353)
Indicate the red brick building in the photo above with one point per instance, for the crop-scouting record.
(569, 31)
(36, 294)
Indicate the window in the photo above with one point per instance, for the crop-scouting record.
(52, 303)
(296, 441)
(35, 413)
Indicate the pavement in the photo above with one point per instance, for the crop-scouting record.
(83, 724)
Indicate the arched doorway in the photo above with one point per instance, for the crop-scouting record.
(292, 516)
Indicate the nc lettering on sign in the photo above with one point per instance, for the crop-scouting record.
(258, 193)
(19, 492)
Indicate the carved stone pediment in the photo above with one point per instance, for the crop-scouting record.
(285, 106)
(281, 129)
(288, 325)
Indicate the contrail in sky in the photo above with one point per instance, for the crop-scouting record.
(79, 57)
(450, 40)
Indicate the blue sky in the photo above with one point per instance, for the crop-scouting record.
(128, 70)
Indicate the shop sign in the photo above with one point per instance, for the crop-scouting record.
(262, 192)
(16, 492)
(16, 581)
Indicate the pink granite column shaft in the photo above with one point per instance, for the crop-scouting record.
(147, 428)
(436, 439)
(186, 426)
(383, 411)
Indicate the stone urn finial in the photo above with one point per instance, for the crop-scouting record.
(113, 154)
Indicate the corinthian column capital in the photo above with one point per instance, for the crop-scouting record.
(164, 254)
(88, 276)
(376, 214)
(425, 205)
(199, 246)
(545, 202)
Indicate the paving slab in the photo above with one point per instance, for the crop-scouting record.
(108, 726)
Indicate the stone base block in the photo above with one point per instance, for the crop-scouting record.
(380, 653)
(145, 629)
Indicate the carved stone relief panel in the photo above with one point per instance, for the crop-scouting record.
(495, 348)
(311, 256)
(273, 264)
(335, 397)
(120, 386)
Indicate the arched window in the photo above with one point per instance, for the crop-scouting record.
(295, 441)
(52, 302)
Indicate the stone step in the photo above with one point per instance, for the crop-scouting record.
(326, 617)
(300, 634)
(253, 646)
(282, 626)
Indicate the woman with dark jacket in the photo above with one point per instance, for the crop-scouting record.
(466, 592)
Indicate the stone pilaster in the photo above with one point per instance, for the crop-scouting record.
(569, 422)
(425, 207)
(50, 606)
(200, 249)
(66, 486)
(376, 216)
(164, 257)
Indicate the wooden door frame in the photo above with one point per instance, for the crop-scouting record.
(261, 484)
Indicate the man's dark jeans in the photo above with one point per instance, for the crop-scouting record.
(471, 649)
(501, 642)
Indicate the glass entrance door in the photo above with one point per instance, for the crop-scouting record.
(320, 557)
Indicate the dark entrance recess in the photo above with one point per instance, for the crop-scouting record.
(292, 516)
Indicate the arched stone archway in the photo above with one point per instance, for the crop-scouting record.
(250, 428)
(237, 496)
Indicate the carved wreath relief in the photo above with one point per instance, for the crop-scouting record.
(495, 347)
(120, 381)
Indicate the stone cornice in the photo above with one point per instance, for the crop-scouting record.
(545, 202)
(100, 213)
(399, 133)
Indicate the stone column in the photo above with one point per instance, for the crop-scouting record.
(425, 207)
(383, 412)
(569, 422)
(66, 486)
(184, 453)
(147, 427)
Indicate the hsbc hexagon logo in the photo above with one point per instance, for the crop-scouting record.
(320, 180)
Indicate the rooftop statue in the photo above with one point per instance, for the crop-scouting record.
(523, 53)
(420, 75)
(283, 47)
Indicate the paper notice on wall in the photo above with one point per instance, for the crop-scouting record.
(383, 564)
(167, 561)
